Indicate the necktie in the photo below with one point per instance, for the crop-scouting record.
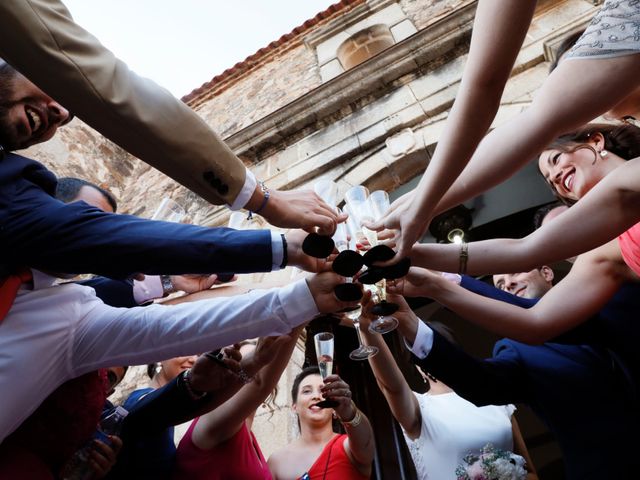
(9, 289)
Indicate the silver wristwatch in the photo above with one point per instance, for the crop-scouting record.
(167, 284)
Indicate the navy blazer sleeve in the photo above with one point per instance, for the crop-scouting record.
(587, 332)
(36, 230)
(496, 381)
(481, 288)
(116, 293)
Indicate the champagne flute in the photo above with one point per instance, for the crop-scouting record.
(363, 351)
(169, 211)
(315, 245)
(323, 342)
(237, 220)
(368, 208)
(340, 238)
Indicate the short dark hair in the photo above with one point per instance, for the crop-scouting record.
(566, 44)
(543, 211)
(68, 189)
(151, 369)
(6, 70)
(313, 370)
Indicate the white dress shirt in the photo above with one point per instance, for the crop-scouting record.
(55, 333)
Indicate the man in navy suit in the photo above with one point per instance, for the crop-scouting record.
(41, 232)
(584, 392)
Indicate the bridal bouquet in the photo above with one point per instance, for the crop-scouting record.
(491, 464)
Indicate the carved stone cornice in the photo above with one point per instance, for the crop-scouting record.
(413, 54)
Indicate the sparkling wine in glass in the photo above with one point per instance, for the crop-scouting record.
(340, 238)
(323, 342)
(363, 351)
(368, 208)
(324, 352)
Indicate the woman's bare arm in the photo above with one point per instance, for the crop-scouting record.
(592, 281)
(402, 402)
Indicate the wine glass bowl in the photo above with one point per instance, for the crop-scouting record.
(321, 246)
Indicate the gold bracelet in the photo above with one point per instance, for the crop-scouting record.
(464, 256)
(356, 420)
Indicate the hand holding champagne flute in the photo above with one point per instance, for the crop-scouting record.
(366, 209)
(323, 342)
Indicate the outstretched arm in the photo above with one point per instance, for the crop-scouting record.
(40, 39)
(577, 91)
(269, 359)
(605, 212)
(520, 447)
(396, 391)
(590, 284)
(498, 32)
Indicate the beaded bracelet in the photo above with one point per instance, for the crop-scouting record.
(267, 195)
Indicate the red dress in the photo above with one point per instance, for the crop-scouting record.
(238, 458)
(630, 247)
(334, 464)
(62, 424)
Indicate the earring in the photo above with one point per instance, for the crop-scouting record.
(158, 368)
(603, 153)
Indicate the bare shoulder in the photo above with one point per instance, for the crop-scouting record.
(281, 457)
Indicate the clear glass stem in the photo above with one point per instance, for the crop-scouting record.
(382, 290)
(356, 324)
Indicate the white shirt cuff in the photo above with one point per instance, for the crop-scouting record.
(452, 277)
(277, 251)
(247, 190)
(423, 343)
(297, 303)
(147, 289)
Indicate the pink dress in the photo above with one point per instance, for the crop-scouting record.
(238, 458)
(630, 247)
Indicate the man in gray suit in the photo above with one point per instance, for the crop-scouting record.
(40, 39)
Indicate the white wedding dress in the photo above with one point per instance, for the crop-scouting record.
(451, 428)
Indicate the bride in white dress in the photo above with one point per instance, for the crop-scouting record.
(439, 426)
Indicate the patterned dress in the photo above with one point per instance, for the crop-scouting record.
(613, 32)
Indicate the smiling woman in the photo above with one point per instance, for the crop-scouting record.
(319, 452)
(574, 163)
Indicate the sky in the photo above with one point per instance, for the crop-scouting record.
(182, 44)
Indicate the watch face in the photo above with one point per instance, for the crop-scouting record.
(167, 284)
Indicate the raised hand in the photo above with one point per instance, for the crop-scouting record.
(297, 258)
(419, 282)
(409, 226)
(193, 283)
(208, 375)
(338, 390)
(301, 209)
(322, 287)
(103, 456)
(266, 350)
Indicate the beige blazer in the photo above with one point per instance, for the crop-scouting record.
(40, 39)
